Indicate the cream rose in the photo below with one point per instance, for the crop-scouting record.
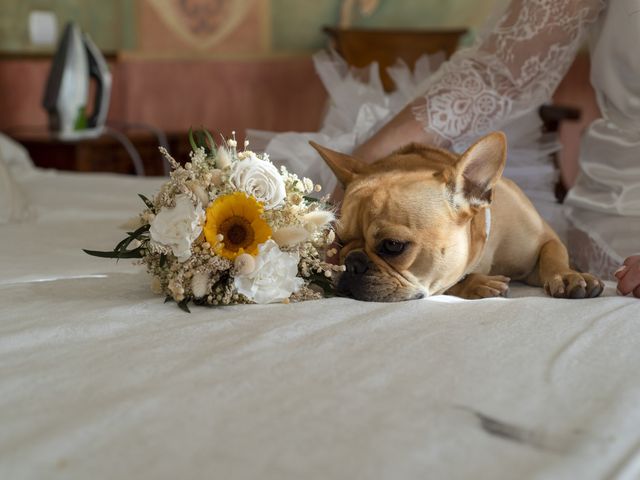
(274, 277)
(260, 179)
(178, 227)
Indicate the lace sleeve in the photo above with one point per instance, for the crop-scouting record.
(516, 65)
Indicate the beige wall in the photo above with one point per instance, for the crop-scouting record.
(230, 27)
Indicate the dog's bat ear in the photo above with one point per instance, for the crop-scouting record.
(344, 166)
(480, 167)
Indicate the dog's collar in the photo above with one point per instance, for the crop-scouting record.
(487, 222)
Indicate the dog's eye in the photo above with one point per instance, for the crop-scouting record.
(391, 248)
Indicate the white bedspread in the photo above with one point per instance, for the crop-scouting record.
(99, 379)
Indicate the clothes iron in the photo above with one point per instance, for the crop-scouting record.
(66, 96)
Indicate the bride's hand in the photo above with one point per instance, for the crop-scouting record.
(628, 276)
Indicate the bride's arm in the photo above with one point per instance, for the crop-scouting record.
(515, 66)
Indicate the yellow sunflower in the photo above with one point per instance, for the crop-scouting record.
(237, 218)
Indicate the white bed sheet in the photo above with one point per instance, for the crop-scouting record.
(100, 379)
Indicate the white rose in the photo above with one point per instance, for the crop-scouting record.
(274, 277)
(178, 227)
(260, 179)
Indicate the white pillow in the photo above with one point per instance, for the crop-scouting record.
(14, 205)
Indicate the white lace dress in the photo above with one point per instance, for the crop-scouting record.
(498, 84)
(513, 68)
(519, 63)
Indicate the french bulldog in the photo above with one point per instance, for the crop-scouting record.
(424, 221)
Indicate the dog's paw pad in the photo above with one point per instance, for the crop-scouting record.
(578, 291)
(489, 287)
(595, 286)
(574, 285)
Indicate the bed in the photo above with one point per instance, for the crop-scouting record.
(100, 379)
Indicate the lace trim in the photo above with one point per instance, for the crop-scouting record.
(513, 68)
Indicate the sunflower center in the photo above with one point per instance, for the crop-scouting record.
(237, 232)
(237, 218)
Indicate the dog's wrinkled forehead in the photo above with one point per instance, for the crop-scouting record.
(417, 201)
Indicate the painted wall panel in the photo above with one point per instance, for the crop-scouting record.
(230, 27)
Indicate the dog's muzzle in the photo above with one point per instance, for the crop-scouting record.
(364, 280)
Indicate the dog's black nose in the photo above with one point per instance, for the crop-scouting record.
(357, 263)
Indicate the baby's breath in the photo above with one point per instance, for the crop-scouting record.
(204, 178)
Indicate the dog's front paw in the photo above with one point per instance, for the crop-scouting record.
(476, 286)
(573, 285)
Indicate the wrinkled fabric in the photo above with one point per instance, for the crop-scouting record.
(100, 379)
(609, 176)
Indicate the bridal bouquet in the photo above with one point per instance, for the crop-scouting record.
(229, 227)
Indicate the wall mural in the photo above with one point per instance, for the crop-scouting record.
(202, 23)
(231, 27)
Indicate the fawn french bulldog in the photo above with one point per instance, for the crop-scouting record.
(424, 221)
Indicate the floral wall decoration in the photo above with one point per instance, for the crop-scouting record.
(202, 23)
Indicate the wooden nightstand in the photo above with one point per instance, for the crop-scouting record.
(102, 154)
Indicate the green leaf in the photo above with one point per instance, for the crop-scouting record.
(163, 260)
(97, 253)
(183, 305)
(135, 253)
(137, 235)
(210, 142)
(121, 244)
(142, 229)
(168, 299)
(194, 146)
(148, 203)
(200, 139)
